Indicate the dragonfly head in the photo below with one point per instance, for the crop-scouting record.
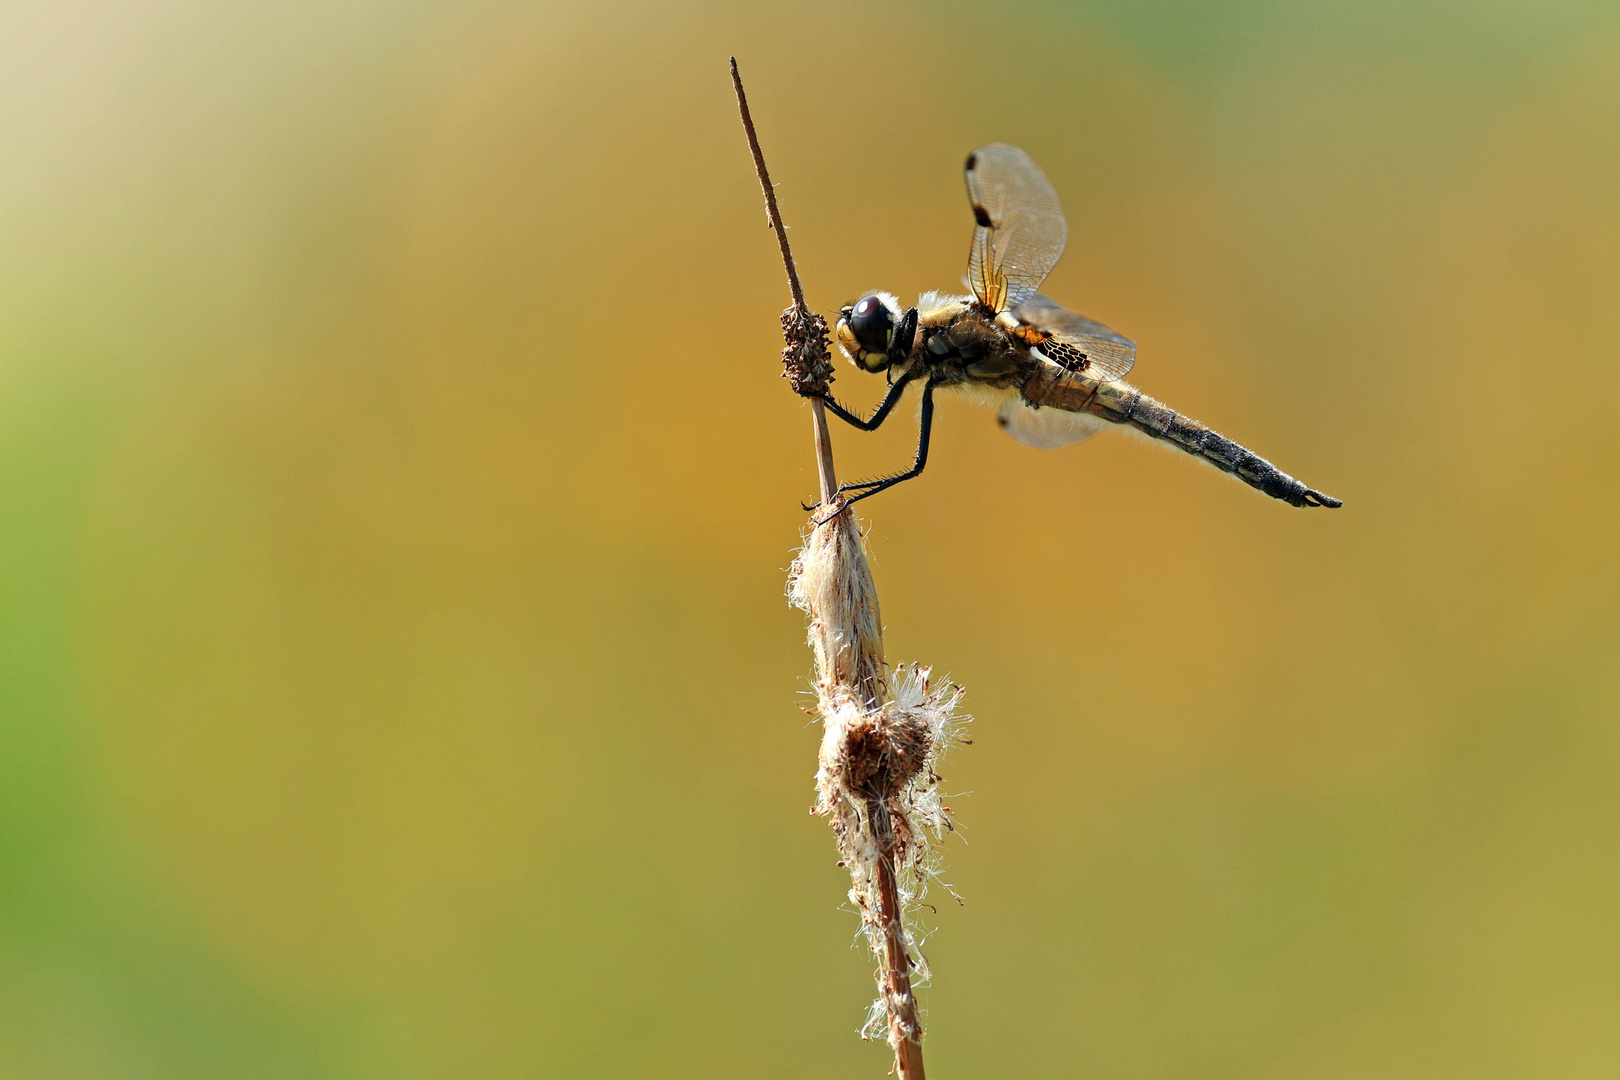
(867, 331)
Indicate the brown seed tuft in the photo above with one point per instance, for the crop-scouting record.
(807, 358)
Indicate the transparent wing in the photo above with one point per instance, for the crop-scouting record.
(1046, 429)
(1019, 232)
(1112, 354)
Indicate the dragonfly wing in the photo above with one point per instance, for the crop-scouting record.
(1018, 231)
(1113, 354)
(1046, 429)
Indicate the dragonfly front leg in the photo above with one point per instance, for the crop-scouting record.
(890, 400)
(868, 488)
(885, 407)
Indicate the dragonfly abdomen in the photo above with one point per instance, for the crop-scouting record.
(1122, 403)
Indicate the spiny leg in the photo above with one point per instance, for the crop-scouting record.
(885, 407)
(868, 488)
(890, 400)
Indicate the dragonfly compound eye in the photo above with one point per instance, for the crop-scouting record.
(873, 324)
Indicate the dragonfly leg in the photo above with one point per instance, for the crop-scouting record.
(890, 400)
(868, 488)
(885, 407)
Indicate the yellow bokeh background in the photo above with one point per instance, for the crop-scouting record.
(397, 486)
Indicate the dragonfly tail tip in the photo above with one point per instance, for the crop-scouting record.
(1316, 498)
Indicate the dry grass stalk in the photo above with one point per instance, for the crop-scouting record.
(883, 731)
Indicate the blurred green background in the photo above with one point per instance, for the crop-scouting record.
(396, 488)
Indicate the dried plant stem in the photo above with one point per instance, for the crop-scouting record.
(905, 1025)
(824, 458)
(806, 357)
(771, 213)
(882, 735)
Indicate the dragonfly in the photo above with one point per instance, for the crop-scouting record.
(1057, 376)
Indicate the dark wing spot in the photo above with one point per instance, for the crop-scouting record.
(1061, 352)
(972, 158)
(982, 216)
